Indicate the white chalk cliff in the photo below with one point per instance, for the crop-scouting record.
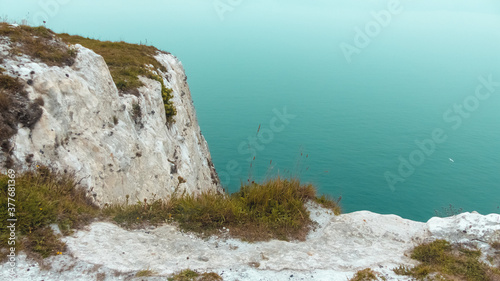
(87, 128)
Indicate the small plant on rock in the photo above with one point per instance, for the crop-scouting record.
(364, 275)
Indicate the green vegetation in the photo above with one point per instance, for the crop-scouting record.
(274, 209)
(44, 198)
(189, 275)
(364, 275)
(145, 273)
(449, 262)
(126, 63)
(166, 94)
(330, 203)
(39, 43)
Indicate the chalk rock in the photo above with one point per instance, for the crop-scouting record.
(88, 128)
(336, 249)
(466, 227)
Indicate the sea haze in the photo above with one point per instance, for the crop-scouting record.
(273, 79)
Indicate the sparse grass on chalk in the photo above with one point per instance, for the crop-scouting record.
(43, 198)
(190, 275)
(274, 209)
(449, 262)
(145, 273)
(38, 43)
(329, 202)
(364, 275)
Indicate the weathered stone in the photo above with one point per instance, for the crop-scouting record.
(335, 250)
(87, 127)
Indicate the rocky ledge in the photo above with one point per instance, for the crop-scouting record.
(336, 249)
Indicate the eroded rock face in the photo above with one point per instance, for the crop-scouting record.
(115, 144)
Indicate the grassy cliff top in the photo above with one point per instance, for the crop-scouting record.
(126, 62)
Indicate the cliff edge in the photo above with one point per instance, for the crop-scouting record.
(117, 143)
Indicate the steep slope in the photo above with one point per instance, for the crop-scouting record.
(118, 144)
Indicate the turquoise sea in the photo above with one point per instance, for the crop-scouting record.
(393, 105)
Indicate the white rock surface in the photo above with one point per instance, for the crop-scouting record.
(335, 250)
(76, 132)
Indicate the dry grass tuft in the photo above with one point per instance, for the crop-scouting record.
(47, 198)
(364, 275)
(272, 210)
(451, 262)
(329, 203)
(190, 275)
(145, 273)
(39, 43)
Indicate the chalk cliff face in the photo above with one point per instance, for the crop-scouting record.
(116, 144)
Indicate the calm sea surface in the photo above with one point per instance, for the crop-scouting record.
(381, 103)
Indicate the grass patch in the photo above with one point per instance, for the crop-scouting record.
(454, 262)
(145, 273)
(329, 203)
(364, 275)
(190, 275)
(127, 62)
(272, 210)
(39, 43)
(44, 198)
